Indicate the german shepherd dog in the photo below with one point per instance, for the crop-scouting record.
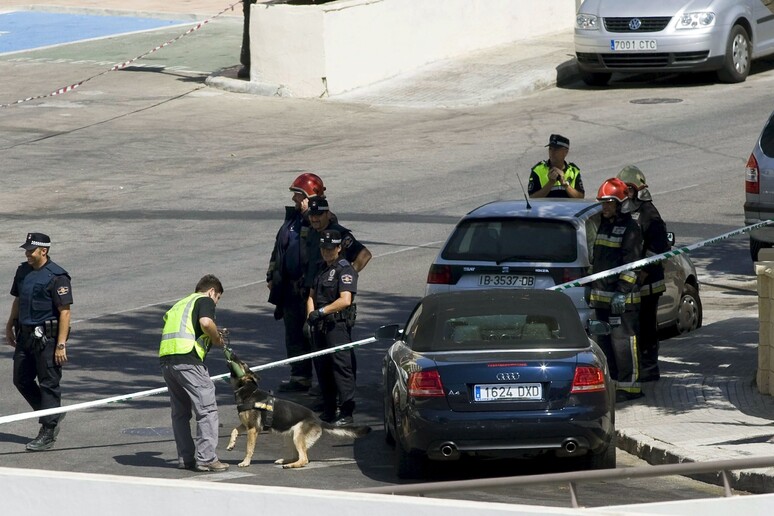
(259, 410)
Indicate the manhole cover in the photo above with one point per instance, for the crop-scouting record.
(656, 101)
(147, 432)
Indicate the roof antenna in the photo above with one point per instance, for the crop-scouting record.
(526, 197)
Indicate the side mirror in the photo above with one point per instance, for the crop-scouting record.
(671, 238)
(391, 331)
(595, 327)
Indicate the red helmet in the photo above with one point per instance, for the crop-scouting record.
(612, 189)
(308, 184)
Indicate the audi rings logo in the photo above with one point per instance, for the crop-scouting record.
(504, 377)
(635, 24)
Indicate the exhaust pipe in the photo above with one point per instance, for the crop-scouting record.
(570, 446)
(449, 449)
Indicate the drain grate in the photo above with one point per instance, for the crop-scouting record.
(656, 101)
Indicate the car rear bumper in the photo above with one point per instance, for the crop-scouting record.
(755, 213)
(567, 432)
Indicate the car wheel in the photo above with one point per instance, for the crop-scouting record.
(389, 438)
(689, 313)
(736, 65)
(755, 248)
(408, 465)
(604, 460)
(596, 78)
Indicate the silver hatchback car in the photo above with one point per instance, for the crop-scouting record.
(759, 189)
(672, 36)
(509, 244)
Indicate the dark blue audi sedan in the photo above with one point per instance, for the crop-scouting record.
(497, 373)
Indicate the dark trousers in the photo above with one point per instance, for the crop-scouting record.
(620, 348)
(294, 316)
(34, 359)
(244, 56)
(335, 371)
(648, 336)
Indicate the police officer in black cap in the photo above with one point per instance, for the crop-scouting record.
(555, 177)
(330, 317)
(37, 328)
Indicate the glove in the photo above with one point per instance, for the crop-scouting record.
(307, 331)
(618, 304)
(314, 316)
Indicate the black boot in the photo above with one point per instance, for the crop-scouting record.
(44, 441)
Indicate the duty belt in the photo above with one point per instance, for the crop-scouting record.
(48, 328)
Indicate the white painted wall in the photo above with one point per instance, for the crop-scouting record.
(33, 492)
(314, 50)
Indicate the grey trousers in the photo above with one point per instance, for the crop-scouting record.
(191, 391)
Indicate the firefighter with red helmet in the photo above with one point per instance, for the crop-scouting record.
(616, 298)
(285, 278)
(651, 278)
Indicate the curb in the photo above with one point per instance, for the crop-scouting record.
(751, 481)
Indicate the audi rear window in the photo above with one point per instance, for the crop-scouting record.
(492, 321)
(513, 240)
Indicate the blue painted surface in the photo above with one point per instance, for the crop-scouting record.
(27, 30)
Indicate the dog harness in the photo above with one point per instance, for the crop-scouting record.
(267, 410)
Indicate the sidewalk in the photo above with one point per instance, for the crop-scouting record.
(706, 406)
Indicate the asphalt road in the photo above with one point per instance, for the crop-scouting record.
(146, 179)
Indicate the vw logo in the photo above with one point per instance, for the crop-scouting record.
(503, 377)
(635, 24)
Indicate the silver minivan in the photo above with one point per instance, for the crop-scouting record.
(543, 243)
(759, 189)
(672, 36)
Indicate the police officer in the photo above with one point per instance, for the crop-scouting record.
(555, 177)
(320, 219)
(38, 328)
(189, 331)
(616, 298)
(330, 315)
(651, 278)
(285, 278)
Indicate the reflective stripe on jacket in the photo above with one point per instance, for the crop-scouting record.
(178, 337)
(618, 241)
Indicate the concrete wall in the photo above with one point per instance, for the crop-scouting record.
(764, 269)
(316, 50)
(33, 492)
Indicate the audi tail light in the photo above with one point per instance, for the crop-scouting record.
(425, 384)
(752, 182)
(588, 379)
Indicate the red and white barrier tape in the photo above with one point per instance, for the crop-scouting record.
(67, 89)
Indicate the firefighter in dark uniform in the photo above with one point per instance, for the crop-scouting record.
(37, 328)
(616, 298)
(555, 177)
(330, 316)
(651, 279)
(285, 278)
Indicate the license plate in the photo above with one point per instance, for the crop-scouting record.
(633, 45)
(508, 392)
(506, 280)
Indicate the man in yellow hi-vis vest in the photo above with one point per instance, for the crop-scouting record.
(555, 177)
(189, 331)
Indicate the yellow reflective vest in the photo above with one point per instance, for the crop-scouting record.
(178, 337)
(570, 175)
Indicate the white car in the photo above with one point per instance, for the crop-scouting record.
(672, 36)
(512, 244)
